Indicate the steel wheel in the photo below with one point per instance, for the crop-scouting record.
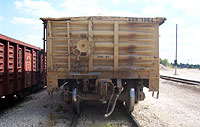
(75, 101)
(130, 98)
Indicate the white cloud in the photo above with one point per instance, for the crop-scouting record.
(177, 12)
(153, 10)
(91, 8)
(35, 40)
(116, 1)
(190, 7)
(37, 8)
(1, 18)
(34, 24)
(32, 39)
(123, 13)
(29, 21)
(81, 7)
(69, 8)
(131, 1)
(178, 20)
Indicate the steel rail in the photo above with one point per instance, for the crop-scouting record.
(120, 107)
(133, 120)
(74, 120)
(181, 80)
(130, 116)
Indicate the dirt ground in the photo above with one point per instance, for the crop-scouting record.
(193, 74)
(178, 106)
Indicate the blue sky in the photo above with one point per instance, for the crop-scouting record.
(20, 19)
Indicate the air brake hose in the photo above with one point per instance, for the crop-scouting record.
(113, 107)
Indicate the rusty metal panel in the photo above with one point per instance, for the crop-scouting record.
(19, 59)
(16, 49)
(11, 59)
(15, 66)
(28, 68)
(118, 47)
(6, 68)
(34, 61)
(28, 57)
(19, 69)
(34, 67)
(12, 68)
(1, 69)
(1, 57)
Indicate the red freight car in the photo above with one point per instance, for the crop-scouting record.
(22, 67)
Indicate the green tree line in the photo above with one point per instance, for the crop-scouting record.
(181, 65)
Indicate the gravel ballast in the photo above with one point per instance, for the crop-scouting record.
(178, 105)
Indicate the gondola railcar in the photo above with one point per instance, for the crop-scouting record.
(22, 67)
(104, 59)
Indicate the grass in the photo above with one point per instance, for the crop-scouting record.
(166, 63)
(52, 119)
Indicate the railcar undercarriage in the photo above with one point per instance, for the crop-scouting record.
(106, 91)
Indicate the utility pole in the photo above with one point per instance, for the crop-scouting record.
(175, 61)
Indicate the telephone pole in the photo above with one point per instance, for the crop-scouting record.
(175, 61)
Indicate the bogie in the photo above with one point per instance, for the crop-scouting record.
(107, 91)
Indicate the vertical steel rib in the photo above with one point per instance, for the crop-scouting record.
(68, 35)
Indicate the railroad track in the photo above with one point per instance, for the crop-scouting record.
(181, 80)
(74, 120)
(98, 116)
(132, 119)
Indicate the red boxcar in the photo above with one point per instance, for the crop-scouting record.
(22, 66)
